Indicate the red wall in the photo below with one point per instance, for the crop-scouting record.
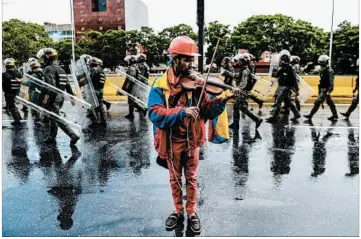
(113, 18)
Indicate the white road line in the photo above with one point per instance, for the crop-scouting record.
(13, 120)
(322, 127)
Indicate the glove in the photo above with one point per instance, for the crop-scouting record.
(45, 100)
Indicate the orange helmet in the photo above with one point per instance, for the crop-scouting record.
(183, 45)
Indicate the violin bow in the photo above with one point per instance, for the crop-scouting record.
(209, 70)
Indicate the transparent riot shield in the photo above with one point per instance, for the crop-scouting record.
(48, 113)
(262, 88)
(305, 90)
(135, 89)
(274, 64)
(74, 82)
(73, 109)
(140, 102)
(26, 68)
(82, 74)
(145, 79)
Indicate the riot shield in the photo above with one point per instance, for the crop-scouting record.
(73, 109)
(48, 113)
(75, 82)
(140, 102)
(82, 73)
(134, 89)
(145, 79)
(262, 88)
(274, 64)
(305, 90)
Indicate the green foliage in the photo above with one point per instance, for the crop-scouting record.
(22, 40)
(345, 48)
(213, 31)
(257, 34)
(276, 32)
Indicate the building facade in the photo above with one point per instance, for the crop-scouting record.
(103, 15)
(58, 32)
(99, 15)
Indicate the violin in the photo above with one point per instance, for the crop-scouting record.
(214, 84)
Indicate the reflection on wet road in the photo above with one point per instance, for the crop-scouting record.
(283, 180)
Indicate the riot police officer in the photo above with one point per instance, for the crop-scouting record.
(228, 72)
(106, 103)
(295, 63)
(34, 92)
(252, 64)
(143, 68)
(244, 81)
(11, 87)
(355, 100)
(325, 88)
(134, 72)
(287, 81)
(98, 78)
(52, 102)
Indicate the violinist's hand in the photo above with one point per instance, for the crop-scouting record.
(192, 112)
(236, 92)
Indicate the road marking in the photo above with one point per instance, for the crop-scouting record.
(322, 127)
(13, 120)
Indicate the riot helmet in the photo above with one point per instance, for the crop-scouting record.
(48, 54)
(323, 60)
(9, 63)
(295, 60)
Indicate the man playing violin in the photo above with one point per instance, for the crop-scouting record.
(179, 128)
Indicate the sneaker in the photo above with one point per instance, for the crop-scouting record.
(173, 220)
(74, 140)
(194, 224)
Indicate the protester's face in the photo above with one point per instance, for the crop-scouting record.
(184, 64)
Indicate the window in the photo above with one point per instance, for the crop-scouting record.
(99, 5)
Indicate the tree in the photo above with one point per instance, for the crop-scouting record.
(22, 40)
(213, 31)
(345, 48)
(276, 32)
(114, 47)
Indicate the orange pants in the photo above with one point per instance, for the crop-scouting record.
(181, 159)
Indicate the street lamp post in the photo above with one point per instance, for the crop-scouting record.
(73, 30)
(200, 23)
(331, 36)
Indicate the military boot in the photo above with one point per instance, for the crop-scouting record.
(130, 115)
(334, 116)
(351, 109)
(315, 108)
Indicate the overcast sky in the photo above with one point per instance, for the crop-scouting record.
(166, 13)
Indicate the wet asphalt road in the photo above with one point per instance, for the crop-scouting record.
(292, 180)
